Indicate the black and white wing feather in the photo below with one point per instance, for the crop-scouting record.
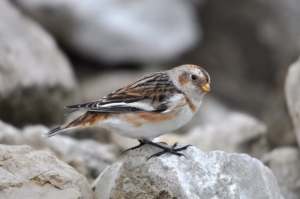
(151, 93)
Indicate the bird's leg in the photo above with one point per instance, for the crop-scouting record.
(166, 149)
(162, 143)
(135, 147)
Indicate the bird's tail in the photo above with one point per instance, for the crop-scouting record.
(88, 119)
(60, 129)
(57, 130)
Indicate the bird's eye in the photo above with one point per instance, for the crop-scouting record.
(194, 77)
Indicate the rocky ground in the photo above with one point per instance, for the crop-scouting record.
(197, 175)
(55, 53)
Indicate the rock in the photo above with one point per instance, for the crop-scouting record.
(198, 175)
(276, 117)
(285, 164)
(9, 134)
(292, 95)
(96, 157)
(26, 173)
(235, 132)
(106, 181)
(86, 156)
(36, 79)
(119, 31)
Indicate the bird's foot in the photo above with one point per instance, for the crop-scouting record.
(172, 149)
(142, 143)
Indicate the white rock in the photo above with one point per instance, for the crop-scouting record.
(118, 31)
(285, 164)
(36, 79)
(198, 175)
(9, 134)
(292, 95)
(30, 174)
(86, 156)
(103, 185)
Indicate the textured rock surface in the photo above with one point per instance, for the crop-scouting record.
(95, 156)
(87, 156)
(30, 174)
(199, 175)
(115, 31)
(36, 79)
(292, 95)
(285, 164)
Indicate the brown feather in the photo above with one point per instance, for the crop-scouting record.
(153, 89)
(88, 119)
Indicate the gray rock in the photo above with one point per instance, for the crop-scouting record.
(105, 182)
(198, 175)
(86, 156)
(95, 156)
(118, 31)
(30, 174)
(285, 164)
(292, 95)
(9, 134)
(36, 79)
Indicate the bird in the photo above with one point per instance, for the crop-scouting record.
(153, 105)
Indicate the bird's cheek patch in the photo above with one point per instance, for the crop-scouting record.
(182, 80)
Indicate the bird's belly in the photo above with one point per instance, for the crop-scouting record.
(147, 125)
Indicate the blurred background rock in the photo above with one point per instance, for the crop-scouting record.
(55, 53)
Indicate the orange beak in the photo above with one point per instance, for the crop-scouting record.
(206, 88)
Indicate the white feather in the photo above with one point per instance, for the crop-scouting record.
(144, 106)
(113, 104)
(176, 97)
(173, 101)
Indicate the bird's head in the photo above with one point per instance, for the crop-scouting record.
(193, 80)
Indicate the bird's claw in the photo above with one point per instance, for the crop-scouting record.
(142, 143)
(171, 150)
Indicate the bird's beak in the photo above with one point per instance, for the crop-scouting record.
(206, 88)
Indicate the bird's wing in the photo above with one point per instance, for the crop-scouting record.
(154, 92)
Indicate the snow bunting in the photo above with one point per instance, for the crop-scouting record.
(149, 107)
